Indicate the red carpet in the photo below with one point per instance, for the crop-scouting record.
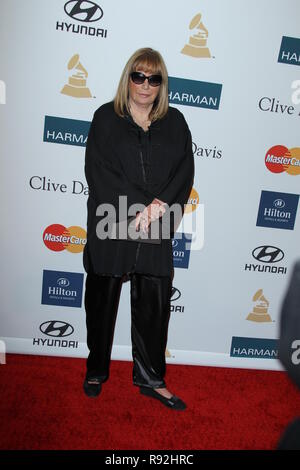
(43, 407)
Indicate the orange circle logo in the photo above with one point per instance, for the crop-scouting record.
(279, 158)
(193, 202)
(58, 238)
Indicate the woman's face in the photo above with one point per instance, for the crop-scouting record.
(144, 94)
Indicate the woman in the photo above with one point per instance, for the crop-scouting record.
(138, 149)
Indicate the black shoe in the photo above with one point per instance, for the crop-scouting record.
(174, 402)
(92, 389)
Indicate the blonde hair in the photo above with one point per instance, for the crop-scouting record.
(145, 59)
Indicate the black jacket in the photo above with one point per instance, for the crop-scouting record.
(289, 340)
(122, 159)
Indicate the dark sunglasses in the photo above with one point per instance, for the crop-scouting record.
(138, 78)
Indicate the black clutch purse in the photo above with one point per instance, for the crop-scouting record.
(125, 230)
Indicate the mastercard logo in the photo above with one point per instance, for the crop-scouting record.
(58, 238)
(193, 201)
(279, 159)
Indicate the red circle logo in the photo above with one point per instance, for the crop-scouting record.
(277, 159)
(58, 238)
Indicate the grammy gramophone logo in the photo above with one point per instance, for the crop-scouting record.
(260, 309)
(76, 85)
(197, 46)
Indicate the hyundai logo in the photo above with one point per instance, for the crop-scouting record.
(174, 243)
(268, 254)
(56, 328)
(279, 203)
(83, 10)
(63, 281)
(175, 294)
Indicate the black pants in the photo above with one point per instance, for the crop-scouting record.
(150, 313)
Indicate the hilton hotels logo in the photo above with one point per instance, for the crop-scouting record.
(76, 85)
(62, 288)
(2, 92)
(197, 45)
(181, 247)
(194, 93)
(289, 51)
(277, 210)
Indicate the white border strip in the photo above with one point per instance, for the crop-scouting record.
(123, 353)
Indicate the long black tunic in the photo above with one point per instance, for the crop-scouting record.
(123, 159)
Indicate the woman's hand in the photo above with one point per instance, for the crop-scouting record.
(152, 212)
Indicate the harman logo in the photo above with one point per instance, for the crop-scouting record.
(58, 238)
(62, 288)
(56, 328)
(82, 11)
(76, 85)
(181, 250)
(254, 348)
(279, 158)
(277, 210)
(175, 295)
(289, 51)
(197, 46)
(194, 93)
(66, 131)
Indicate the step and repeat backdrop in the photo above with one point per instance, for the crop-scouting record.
(234, 73)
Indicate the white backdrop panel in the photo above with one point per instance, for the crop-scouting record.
(216, 292)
